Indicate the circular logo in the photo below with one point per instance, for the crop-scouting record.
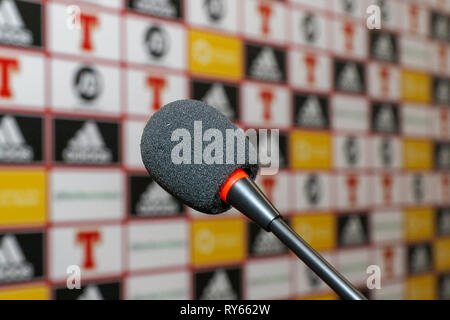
(310, 28)
(383, 9)
(312, 190)
(88, 83)
(351, 151)
(215, 9)
(386, 152)
(348, 6)
(157, 42)
(418, 191)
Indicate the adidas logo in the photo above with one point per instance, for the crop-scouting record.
(87, 146)
(310, 114)
(13, 265)
(12, 28)
(217, 97)
(91, 292)
(156, 201)
(265, 66)
(383, 47)
(219, 288)
(353, 232)
(267, 244)
(13, 147)
(385, 120)
(349, 79)
(162, 8)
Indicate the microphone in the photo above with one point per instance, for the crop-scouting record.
(184, 151)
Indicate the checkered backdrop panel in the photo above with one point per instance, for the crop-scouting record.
(364, 145)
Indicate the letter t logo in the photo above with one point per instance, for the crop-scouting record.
(87, 23)
(6, 65)
(87, 239)
(265, 11)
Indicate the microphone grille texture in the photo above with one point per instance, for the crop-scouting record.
(183, 128)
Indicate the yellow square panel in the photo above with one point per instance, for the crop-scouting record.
(39, 292)
(421, 287)
(419, 224)
(417, 154)
(215, 55)
(416, 86)
(310, 150)
(442, 254)
(22, 197)
(218, 241)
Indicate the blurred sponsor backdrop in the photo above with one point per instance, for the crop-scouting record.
(364, 143)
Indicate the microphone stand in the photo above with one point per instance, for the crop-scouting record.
(246, 196)
(314, 260)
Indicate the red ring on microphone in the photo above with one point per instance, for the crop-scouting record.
(235, 177)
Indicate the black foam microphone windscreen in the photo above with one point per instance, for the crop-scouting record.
(186, 148)
(181, 150)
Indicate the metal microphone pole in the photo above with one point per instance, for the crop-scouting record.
(246, 196)
(314, 260)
